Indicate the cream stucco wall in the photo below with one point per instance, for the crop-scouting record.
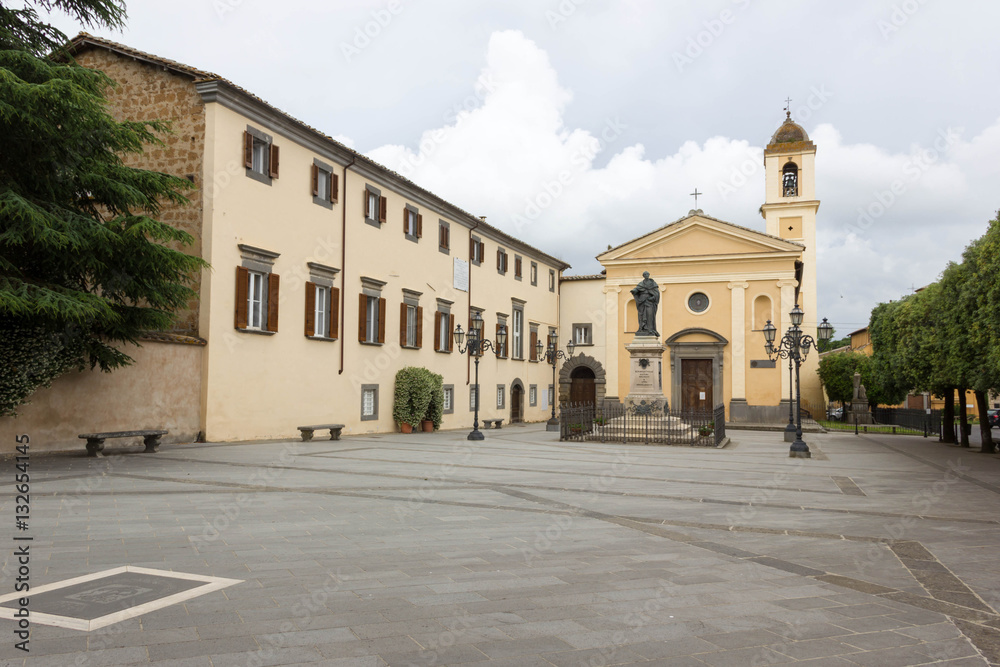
(261, 386)
(159, 391)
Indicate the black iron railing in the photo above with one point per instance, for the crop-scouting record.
(920, 421)
(619, 423)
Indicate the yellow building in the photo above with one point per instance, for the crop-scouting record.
(720, 283)
(330, 272)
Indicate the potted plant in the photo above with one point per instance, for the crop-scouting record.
(410, 398)
(706, 430)
(435, 406)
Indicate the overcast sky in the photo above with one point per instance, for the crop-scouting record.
(635, 103)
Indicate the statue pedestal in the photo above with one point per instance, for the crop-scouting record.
(646, 373)
(859, 412)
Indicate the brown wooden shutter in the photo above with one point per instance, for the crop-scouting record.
(362, 317)
(447, 238)
(406, 220)
(242, 287)
(310, 308)
(441, 236)
(482, 250)
(517, 267)
(505, 262)
(472, 250)
(315, 180)
(334, 312)
(451, 330)
(499, 352)
(369, 215)
(420, 326)
(383, 206)
(381, 320)
(534, 346)
(274, 161)
(506, 345)
(437, 330)
(247, 150)
(499, 260)
(272, 302)
(334, 188)
(420, 226)
(402, 324)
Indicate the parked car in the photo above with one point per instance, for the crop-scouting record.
(993, 415)
(835, 414)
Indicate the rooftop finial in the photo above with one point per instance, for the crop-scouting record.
(788, 108)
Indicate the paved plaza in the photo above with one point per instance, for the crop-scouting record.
(427, 549)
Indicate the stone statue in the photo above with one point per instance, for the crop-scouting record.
(647, 299)
(857, 386)
(862, 394)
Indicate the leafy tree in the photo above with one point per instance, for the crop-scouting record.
(836, 372)
(84, 264)
(888, 381)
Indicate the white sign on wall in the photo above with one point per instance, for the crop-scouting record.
(461, 275)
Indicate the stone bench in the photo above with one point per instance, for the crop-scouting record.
(95, 441)
(496, 423)
(307, 431)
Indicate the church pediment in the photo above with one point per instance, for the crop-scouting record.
(699, 236)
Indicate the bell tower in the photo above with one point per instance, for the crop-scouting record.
(790, 202)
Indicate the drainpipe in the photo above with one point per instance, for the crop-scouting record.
(468, 358)
(343, 267)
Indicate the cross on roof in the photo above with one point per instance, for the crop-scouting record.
(695, 194)
(788, 107)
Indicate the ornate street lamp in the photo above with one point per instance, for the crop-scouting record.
(551, 354)
(769, 334)
(795, 346)
(476, 346)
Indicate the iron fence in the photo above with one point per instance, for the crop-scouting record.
(921, 421)
(615, 422)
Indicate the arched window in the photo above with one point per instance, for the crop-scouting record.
(790, 180)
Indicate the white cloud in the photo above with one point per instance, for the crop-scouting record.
(574, 191)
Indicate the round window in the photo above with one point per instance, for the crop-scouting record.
(698, 302)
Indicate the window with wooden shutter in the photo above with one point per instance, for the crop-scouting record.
(274, 161)
(472, 250)
(499, 259)
(406, 221)
(437, 329)
(381, 320)
(505, 262)
(482, 250)
(272, 302)
(420, 226)
(402, 324)
(500, 352)
(363, 318)
(315, 180)
(334, 188)
(383, 205)
(451, 330)
(420, 326)
(334, 312)
(310, 308)
(533, 355)
(247, 150)
(517, 267)
(369, 215)
(242, 287)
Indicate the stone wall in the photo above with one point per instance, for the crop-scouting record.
(145, 92)
(161, 390)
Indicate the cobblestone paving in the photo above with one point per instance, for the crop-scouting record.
(426, 549)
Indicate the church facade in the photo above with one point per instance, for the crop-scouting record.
(719, 285)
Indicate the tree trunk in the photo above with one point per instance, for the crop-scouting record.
(948, 418)
(963, 414)
(985, 434)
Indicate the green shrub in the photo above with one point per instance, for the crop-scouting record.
(419, 395)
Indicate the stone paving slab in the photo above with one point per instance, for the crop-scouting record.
(426, 549)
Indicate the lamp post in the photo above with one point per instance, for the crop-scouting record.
(476, 346)
(795, 346)
(551, 354)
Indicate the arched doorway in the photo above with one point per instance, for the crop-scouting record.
(516, 403)
(583, 386)
(593, 373)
